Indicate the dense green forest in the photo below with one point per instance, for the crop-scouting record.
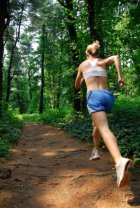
(42, 42)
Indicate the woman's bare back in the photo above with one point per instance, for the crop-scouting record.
(94, 82)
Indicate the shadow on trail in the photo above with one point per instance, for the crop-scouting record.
(135, 186)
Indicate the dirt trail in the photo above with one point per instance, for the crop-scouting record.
(49, 169)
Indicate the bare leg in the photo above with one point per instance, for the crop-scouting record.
(96, 141)
(122, 164)
(101, 122)
(96, 137)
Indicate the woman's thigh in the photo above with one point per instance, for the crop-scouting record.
(100, 119)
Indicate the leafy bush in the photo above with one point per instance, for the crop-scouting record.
(124, 122)
(4, 148)
(80, 127)
(31, 118)
(10, 125)
(56, 117)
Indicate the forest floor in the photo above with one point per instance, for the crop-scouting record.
(49, 169)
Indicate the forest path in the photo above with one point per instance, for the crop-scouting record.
(49, 169)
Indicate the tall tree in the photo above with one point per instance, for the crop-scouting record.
(69, 12)
(92, 20)
(4, 22)
(93, 7)
(18, 28)
(41, 106)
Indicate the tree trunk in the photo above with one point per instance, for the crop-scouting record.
(91, 20)
(94, 34)
(1, 66)
(30, 85)
(4, 21)
(41, 107)
(69, 11)
(58, 93)
(9, 77)
(19, 97)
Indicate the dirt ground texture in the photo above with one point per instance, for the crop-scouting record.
(49, 169)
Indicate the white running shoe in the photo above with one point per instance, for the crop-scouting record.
(94, 155)
(122, 171)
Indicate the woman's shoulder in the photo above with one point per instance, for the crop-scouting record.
(104, 62)
(84, 65)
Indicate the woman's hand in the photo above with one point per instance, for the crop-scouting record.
(121, 82)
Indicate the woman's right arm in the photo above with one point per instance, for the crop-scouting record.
(79, 79)
(113, 60)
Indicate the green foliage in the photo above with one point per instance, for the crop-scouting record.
(125, 125)
(118, 31)
(35, 117)
(4, 148)
(10, 126)
(55, 117)
(80, 127)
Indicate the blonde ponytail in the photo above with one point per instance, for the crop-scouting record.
(93, 49)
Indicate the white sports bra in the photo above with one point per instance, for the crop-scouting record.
(94, 70)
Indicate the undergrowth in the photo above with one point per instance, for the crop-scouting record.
(10, 125)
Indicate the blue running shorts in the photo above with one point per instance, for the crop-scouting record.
(100, 100)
